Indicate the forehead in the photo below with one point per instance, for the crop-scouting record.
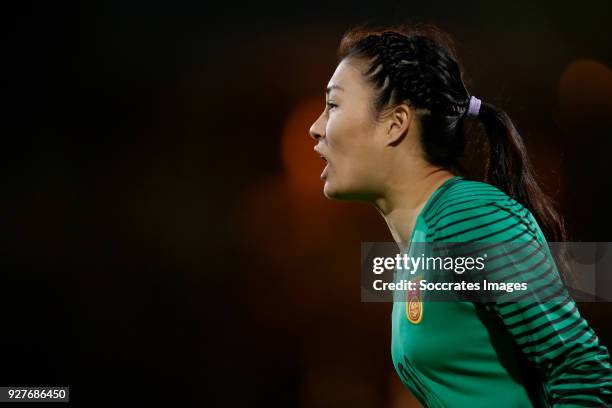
(348, 77)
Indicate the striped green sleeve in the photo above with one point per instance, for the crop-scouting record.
(544, 321)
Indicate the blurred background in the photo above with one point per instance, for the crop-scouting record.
(166, 238)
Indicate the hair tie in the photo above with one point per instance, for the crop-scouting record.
(474, 107)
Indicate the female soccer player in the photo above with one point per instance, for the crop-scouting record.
(391, 134)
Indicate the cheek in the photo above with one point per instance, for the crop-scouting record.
(348, 137)
(356, 162)
(352, 149)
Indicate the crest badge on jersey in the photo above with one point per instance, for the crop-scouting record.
(414, 306)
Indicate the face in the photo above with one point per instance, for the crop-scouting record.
(349, 139)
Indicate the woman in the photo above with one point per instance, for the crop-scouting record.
(392, 134)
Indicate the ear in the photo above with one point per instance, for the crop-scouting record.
(398, 124)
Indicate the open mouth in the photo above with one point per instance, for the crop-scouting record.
(324, 174)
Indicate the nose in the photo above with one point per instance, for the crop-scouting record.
(317, 129)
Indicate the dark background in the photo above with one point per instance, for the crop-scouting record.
(165, 234)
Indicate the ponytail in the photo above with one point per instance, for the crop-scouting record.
(509, 169)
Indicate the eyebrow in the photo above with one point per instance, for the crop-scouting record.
(329, 88)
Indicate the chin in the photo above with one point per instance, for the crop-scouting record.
(330, 192)
(334, 193)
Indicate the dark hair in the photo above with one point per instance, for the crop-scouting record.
(418, 66)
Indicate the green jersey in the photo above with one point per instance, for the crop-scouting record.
(503, 354)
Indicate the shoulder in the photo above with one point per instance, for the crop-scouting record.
(470, 210)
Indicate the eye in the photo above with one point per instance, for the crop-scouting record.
(331, 105)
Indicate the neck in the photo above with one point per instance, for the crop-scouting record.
(403, 202)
